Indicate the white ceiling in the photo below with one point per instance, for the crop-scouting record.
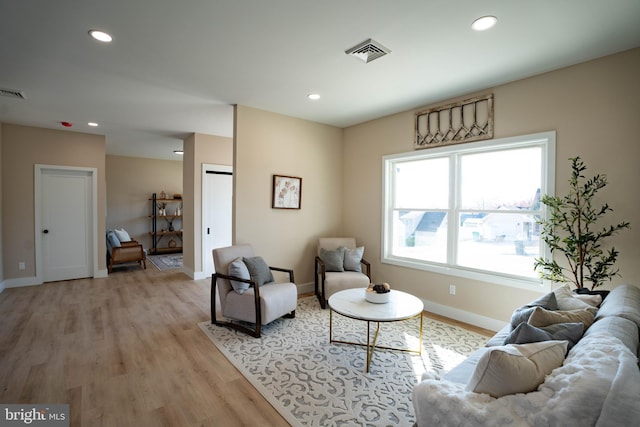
(176, 67)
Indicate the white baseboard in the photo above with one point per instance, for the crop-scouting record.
(1, 286)
(34, 281)
(22, 281)
(306, 288)
(198, 275)
(464, 316)
(195, 275)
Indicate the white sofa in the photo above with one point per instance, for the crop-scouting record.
(597, 384)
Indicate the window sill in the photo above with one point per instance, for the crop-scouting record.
(533, 284)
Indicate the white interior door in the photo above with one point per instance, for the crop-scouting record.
(66, 224)
(217, 202)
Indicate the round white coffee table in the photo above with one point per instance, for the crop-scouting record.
(351, 303)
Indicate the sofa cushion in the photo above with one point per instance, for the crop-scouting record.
(526, 333)
(258, 270)
(516, 368)
(333, 259)
(622, 301)
(541, 317)
(500, 336)
(238, 268)
(352, 258)
(566, 299)
(619, 327)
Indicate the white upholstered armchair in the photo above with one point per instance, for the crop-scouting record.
(247, 290)
(339, 265)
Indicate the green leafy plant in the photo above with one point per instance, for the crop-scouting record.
(572, 229)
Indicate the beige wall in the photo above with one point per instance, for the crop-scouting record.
(199, 149)
(1, 215)
(190, 192)
(268, 144)
(22, 148)
(594, 107)
(131, 181)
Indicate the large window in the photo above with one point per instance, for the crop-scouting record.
(470, 209)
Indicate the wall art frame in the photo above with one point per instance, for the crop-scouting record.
(287, 192)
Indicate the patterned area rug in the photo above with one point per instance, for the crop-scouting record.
(166, 262)
(314, 383)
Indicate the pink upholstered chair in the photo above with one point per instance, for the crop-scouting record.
(333, 273)
(245, 295)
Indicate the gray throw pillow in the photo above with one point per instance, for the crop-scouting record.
(520, 315)
(333, 260)
(571, 332)
(526, 333)
(547, 301)
(113, 239)
(238, 268)
(259, 270)
(352, 258)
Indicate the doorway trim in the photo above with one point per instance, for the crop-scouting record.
(203, 198)
(37, 202)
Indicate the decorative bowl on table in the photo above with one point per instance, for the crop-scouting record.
(378, 293)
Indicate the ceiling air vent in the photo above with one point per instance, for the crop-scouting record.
(368, 50)
(10, 93)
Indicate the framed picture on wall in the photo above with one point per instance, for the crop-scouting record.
(287, 192)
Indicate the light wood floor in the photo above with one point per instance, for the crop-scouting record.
(124, 351)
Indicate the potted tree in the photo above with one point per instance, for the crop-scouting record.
(572, 230)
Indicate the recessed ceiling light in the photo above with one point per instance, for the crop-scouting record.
(484, 23)
(92, 124)
(178, 152)
(100, 36)
(313, 96)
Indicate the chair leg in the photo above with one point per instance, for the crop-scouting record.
(213, 299)
(322, 301)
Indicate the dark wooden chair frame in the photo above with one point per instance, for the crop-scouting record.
(320, 270)
(256, 331)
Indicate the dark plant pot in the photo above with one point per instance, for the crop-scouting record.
(587, 291)
(603, 294)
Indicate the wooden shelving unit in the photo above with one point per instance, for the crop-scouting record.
(165, 226)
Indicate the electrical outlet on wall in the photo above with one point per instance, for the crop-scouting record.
(22, 266)
(452, 289)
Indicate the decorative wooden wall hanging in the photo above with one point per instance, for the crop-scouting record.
(465, 121)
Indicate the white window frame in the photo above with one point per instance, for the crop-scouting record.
(545, 140)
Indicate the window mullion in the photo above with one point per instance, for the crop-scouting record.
(452, 214)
